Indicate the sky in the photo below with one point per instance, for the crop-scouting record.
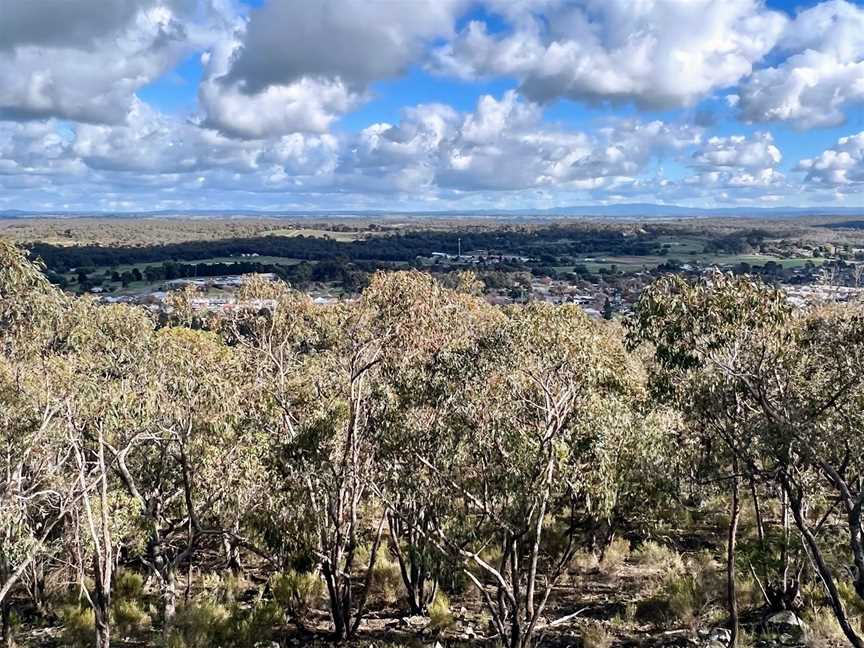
(402, 105)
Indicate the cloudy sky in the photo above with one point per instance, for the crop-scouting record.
(429, 104)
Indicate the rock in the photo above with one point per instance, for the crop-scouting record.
(785, 623)
(720, 636)
(415, 622)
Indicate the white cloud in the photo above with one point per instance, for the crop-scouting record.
(433, 154)
(822, 75)
(307, 105)
(657, 53)
(841, 166)
(35, 149)
(739, 151)
(737, 167)
(502, 145)
(298, 66)
(84, 61)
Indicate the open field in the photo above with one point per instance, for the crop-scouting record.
(156, 231)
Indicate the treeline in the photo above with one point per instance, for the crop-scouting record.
(476, 447)
(399, 247)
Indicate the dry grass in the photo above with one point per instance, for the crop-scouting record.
(655, 556)
(595, 635)
(616, 554)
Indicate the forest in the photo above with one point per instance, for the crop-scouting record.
(419, 466)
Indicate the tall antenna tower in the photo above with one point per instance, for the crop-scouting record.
(460, 247)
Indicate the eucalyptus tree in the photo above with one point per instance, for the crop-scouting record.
(423, 370)
(191, 468)
(315, 370)
(781, 388)
(551, 389)
(104, 390)
(36, 493)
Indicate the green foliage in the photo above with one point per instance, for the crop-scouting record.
(685, 594)
(249, 627)
(129, 618)
(129, 605)
(297, 593)
(823, 630)
(386, 583)
(79, 625)
(128, 585)
(199, 625)
(205, 624)
(440, 615)
(657, 556)
(494, 439)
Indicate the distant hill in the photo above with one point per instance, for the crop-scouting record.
(626, 210)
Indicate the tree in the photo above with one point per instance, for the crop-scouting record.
(520, 456)
(35, 492)
(424, 368)
(193, 464)
(782, 388)
(103, 388)
(318, 366)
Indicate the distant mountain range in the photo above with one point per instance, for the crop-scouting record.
(627, 210)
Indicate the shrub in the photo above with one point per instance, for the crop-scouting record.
(129, 618)
(439, 612)
(655, 611)
(657, 556)
(224, 590)
(616, 553)
(128, 607)
(129, 586)
(206, 624)
(248, 628)
(386, 584)
(595, 635)
(823, 631)
(584, 561)
(79, 625)
(685, 596)
(297, 593)
(199, 625)
(853, 603)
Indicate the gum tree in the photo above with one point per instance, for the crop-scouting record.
(782, 389)
(316, 372)
(551, 392)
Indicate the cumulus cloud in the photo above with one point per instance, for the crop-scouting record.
(84, 61)
(36, 149)
(738, 165)
(154, 160)
(841, 166)
(433, 154)
(821, 75)
(502, 145)
(657, 53)
(298, 66)
(739, 151)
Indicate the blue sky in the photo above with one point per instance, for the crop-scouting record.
(431, 104)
